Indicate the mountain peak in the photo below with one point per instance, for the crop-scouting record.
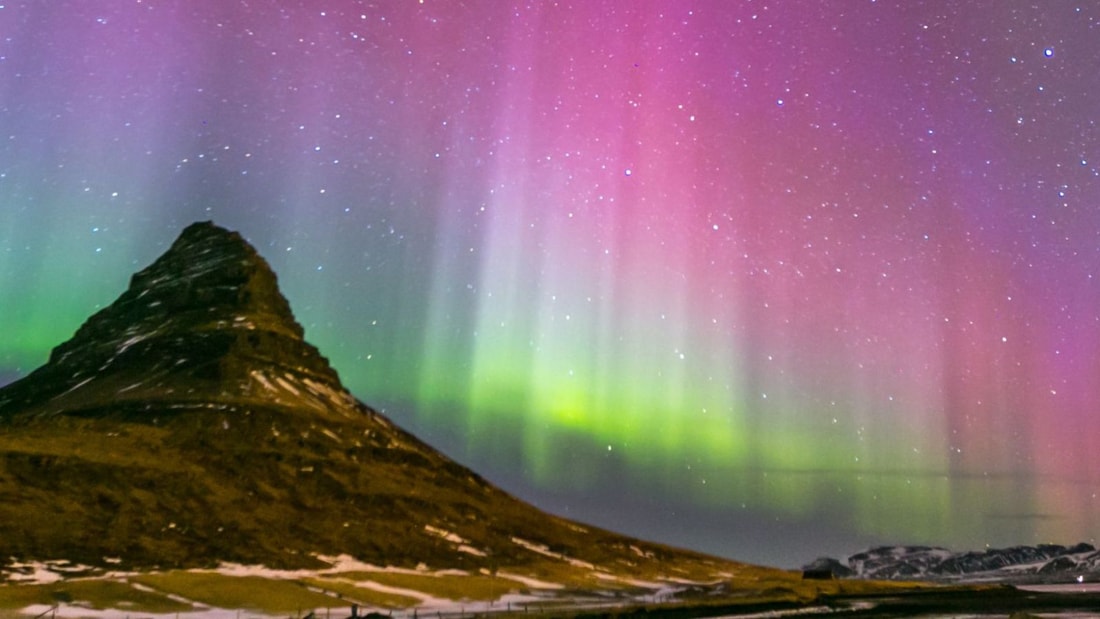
(189, 423)
(205, 229)
(209, 308)
(214, 270)
(204, 250)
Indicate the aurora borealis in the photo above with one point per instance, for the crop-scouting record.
(765, 279)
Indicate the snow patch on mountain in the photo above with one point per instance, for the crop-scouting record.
(546, 552)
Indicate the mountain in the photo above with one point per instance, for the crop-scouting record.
(1043, 563)
(189, 424)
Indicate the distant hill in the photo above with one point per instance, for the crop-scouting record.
(1018, 564)
(189, 423)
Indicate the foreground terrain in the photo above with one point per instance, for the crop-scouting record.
(234, 591)
(551, 587)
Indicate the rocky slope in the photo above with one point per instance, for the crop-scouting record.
(189, 423)
(1043, 563)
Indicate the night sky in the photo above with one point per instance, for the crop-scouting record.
(766, 279)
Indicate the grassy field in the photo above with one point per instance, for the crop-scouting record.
(91, 593)
(294, 594)
(472, 587)
(277, 597)
(362, 595)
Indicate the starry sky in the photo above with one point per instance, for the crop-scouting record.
(769, 280)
